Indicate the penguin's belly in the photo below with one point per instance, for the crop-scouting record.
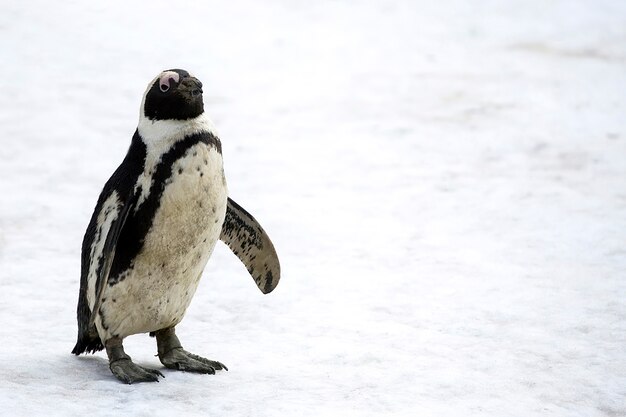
(156, 291)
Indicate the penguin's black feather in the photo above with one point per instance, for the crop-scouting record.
(247, 239)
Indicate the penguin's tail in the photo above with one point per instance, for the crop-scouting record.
(87, 345)
(88, 338)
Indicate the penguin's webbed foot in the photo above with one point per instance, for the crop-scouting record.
(173, 356)
(180, 359)
(123, 367)
(129, 373)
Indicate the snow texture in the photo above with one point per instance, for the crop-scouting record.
(445, 184)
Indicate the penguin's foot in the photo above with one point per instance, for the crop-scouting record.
(123, 367)
(182, 360)
(173, 356)
(128, 372)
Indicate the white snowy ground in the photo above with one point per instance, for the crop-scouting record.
(445, 183)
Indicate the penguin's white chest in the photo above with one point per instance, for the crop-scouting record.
(156, 291)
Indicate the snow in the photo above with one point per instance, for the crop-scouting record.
(445, 183)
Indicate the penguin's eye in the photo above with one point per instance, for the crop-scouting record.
(166, 79)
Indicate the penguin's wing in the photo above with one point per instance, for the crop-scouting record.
(119, 211)
(247, 239)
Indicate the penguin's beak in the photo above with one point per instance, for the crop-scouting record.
(191, 88)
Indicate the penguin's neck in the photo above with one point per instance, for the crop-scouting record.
(161, 135)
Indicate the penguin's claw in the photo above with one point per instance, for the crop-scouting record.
(182, 360)
(129, 373)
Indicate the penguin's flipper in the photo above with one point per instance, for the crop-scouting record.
(247, 239)
(108, 253)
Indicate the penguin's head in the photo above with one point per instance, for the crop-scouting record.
(173, 95)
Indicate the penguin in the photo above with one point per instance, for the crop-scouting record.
(154, 228)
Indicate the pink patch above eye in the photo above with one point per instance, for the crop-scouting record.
(166, 77)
